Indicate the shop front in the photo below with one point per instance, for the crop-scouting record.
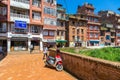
(49, 42)
(94, 43)
(3, 43)
(35, 41)
(19, 44)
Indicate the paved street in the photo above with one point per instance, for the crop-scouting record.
(29, 67)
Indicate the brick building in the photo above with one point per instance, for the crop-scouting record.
(93, 25)
(50, 21)
(26, 22)
(108, 27)
(76, 29)
(61, 23)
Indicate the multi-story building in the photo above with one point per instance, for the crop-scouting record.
(93, 25)
(61, 23)
(76, 29)
(108, 28)
(21, 24)
(3, 18)
(50, 20)
(118, 30)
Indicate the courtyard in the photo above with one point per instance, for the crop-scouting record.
(25, 66)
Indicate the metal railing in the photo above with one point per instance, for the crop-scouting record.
(19, 15)
(22, 1)
(3, 30)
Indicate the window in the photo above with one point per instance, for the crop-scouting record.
(45, 33)
(96, 35)
(50, 21)
(36, 3)
(3, 27)
(62, 24)
(62, 33)
(96, 28)
(78, 31)
(95, 19)
(58, 33)
(78, 38)
(35, 29)
(82, 38)
(51, 33)
(73, 30)
(3, 10)
(82, 31)
(36, 15)
(73, 23)
(51, 1)
(50, 11)
(18, 30)
(107, 37)
(91, 35)
(91, 27)
(73, 38)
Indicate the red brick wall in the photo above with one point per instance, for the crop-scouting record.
(87, 68)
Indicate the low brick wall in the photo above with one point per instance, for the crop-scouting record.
(88, 68)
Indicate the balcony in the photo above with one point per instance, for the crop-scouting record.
(2, 30)
(15, 16)
(62, 18)
(109, 25)
(61, 9)
(118, 27)
(118, 34)
(118, 20)
(25, 4)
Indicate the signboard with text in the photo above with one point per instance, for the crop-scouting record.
(20, 24)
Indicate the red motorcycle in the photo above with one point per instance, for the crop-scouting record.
(57, 61)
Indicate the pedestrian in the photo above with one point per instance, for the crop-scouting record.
(31, 48)
(45, 51)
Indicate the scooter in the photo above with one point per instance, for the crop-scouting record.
(50, 61)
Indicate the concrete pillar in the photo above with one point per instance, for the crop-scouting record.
(41, 40)
(41, 45)
(8, 44)
(29, 43)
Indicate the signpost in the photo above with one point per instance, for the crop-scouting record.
(20, 24)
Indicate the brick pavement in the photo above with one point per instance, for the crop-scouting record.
(29, 67)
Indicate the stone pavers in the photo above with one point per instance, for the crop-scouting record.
(29, 67)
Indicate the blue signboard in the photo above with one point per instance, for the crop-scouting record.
(20, 24)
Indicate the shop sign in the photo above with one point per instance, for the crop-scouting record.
(19, 39)
(2, 34)
(48, 40)
(35, 38)
(19, 35)
(20, 24)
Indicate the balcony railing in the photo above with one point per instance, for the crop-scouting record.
(20, 3)
(61, 9)
(15, 16)
(19, 15)
(3, 30)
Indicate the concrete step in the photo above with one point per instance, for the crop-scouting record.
(25, 52)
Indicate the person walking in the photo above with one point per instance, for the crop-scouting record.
(31, 48)
(45, 51)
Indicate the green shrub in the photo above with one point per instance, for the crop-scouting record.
(112, 54)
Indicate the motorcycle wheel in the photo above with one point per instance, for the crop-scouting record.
(59, 67)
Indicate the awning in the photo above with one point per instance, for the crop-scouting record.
(94, 41)
(61, 41)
